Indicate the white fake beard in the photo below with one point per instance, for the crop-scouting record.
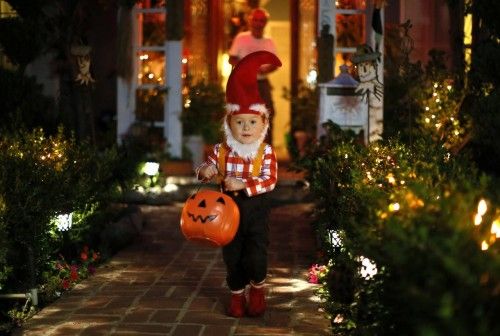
(246, 151)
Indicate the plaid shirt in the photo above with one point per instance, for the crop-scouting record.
(241, 168)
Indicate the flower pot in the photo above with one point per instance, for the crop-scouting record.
(196, 146)
(177, 168)
(301, 139)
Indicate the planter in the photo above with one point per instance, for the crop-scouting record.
(177, 168)
(195, 145)
(301, 140)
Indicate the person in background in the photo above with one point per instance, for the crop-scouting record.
(254, 40)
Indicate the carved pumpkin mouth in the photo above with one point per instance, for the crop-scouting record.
(202, 219)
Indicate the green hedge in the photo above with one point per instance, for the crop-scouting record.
(42, 177)
(410, 211)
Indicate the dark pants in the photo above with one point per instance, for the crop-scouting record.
(246, 256)
(265, 92)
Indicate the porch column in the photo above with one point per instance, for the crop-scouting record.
(173, 53)
(125, 99)
(173, 105)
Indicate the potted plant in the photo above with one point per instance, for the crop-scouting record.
(304, 116)
(201, 117)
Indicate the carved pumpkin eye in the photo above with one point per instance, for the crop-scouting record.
(221, 200)
(202, 204)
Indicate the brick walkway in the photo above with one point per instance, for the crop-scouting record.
(164, 285)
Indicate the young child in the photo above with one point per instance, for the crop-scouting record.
(248, 170)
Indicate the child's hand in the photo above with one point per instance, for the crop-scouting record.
(233, 184)
(208, 172)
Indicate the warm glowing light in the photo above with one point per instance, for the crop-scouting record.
(394, 207)
(312, 77)
(391, 179)
(184, 60)
(495, 227)
(427, 120)
(482, 207)
(478, 219)
(226, 66)
(484, 245)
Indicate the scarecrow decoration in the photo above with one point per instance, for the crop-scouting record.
(82, 53)
(370, 88)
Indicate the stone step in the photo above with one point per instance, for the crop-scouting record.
(288, 190)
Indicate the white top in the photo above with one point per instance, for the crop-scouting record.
(244, 43)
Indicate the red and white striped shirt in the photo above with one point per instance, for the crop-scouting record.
(241, 168)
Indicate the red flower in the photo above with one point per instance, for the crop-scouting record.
(65, 283)
(74, 273)
(95, 256)
(84, 256)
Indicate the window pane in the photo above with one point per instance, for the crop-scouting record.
(152, 29)
(350, 30)
(151, 3)
(344, 58)
(350, 4)
(149, 104)
(151, 68)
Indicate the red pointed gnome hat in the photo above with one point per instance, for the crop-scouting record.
(242, 93)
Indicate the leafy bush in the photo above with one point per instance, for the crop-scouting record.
(305, 106)
(204, 108)
(41, 177)
(23, 104)
(397, 231)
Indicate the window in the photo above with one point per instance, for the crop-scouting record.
(149, 61)
(6, 11)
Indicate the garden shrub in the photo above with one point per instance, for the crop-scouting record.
(23, 104)
(42, 177)
(406, 212)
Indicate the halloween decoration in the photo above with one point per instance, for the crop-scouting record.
(370, 88)
(82, 54)
(210, 217)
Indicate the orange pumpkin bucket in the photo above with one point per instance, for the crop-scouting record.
(210, 217)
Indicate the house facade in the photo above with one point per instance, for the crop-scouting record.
(142, 73)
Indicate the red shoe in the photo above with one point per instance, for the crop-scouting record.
(237, 305)
(257, 301)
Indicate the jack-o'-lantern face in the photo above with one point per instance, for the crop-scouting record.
(210, 217)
